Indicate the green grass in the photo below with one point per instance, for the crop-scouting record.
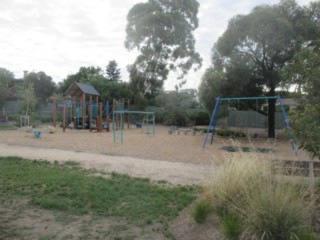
(201, 210)
(71, 189)
(7, 127)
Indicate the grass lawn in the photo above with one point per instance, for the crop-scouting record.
(133, 207)
(7, 127)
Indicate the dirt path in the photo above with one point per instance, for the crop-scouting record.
(173, 172)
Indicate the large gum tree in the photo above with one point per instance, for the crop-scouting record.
(162, 32)
(256, 46)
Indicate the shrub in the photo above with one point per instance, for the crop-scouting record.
(254, 203)
(222, 132)
(200, 117)
(14, 117)
(276, 211)
(7, 127)
(231, 225)
(230, 133)
(201, 210)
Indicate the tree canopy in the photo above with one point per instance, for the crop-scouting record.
(42, 84)
(162, 31)
(113, 72)
(5, 81)
(94, 76)
(82, 75)
(247, 58)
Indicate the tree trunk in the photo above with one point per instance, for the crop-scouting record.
(271, 118)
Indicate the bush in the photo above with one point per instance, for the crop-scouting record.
(201, 210)
(174, 118)
(230, 133)
(40, 118)
(7, 127)
(254, 203)
(222, 132)
(14, 118)
(200, 117)
(231, 225)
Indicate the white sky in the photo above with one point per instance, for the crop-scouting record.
(58, 37)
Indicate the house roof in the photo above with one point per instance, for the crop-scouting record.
(77, 89)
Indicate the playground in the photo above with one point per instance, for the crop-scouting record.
(184, 147)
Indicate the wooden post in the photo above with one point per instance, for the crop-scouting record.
(74, 112)
(83, 110)
(90, 113)
(54, 113)
(100, 117)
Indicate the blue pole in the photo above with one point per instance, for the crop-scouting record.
(215, 123)
(216, 107)
(286, 120)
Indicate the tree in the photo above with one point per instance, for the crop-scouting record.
(27, 98)
(112, 71)
(83, 75)
(110, 89)
(43, 86)
(304, 70)
(94, 76)
(176, 106)
(210, 87)
(5, 81)
(258, 45)
(162, 32)
(306, 132)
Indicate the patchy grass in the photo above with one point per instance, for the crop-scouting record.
(7, 127)
(69, 189)
(246, 149)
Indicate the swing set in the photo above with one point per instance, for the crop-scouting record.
(214, 117)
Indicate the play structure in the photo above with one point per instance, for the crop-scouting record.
(81, 109)
(214, 117)
(121, 114)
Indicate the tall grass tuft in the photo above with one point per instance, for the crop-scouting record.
(256, 202)
(201, 210)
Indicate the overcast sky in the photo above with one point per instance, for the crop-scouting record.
(60, 36)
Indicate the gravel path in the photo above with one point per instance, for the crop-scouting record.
(173, 172)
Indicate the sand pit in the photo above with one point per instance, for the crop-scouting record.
(162, 146)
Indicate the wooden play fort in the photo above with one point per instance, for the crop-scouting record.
(81, 109)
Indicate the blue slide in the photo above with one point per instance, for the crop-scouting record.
(133, 121)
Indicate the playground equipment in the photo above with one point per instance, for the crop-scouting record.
(214, 117)
(24, 121)
(120, 106)
(148, 117)
(81, 108)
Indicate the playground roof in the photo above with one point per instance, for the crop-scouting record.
(77, 89)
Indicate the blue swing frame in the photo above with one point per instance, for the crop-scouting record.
(214, 117)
